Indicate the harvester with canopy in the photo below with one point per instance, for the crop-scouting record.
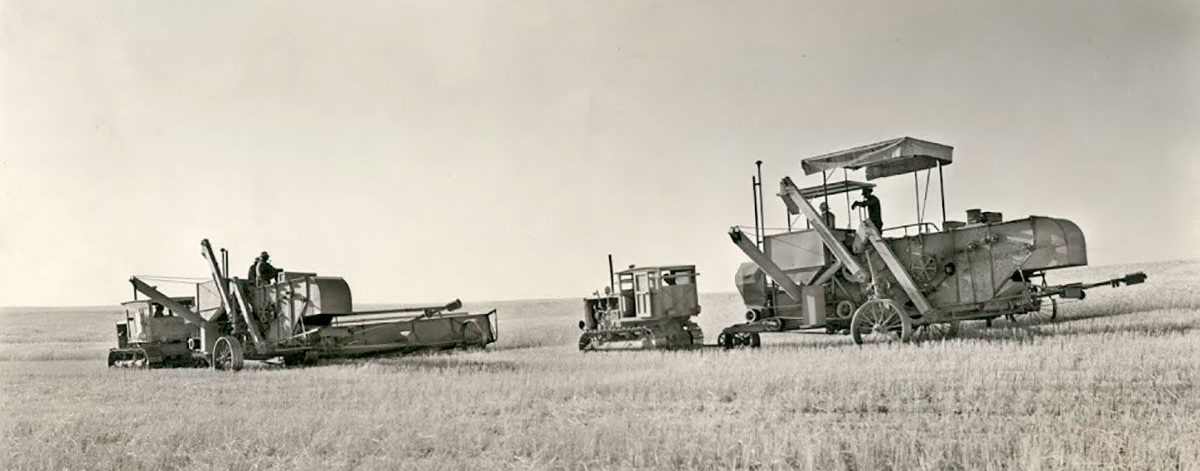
(916, 280)
(297, 317)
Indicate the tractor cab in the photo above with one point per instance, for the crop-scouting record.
(147, 321)
(652, 292)
(153, 335)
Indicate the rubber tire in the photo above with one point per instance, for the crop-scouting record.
(236, 358)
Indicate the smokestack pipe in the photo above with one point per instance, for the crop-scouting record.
(761, 204)
(754, 198)
(612, 286)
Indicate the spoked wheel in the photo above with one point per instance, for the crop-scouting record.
(1043, 314)
(935, 332)
(880, 321)
(227, 354)
(926, 268)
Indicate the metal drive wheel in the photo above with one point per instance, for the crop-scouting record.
(880, 320)
(728, 340)
(227, 354)
(588, 342)
(935, 332)
(725, 340)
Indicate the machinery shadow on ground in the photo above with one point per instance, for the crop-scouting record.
(1023, 333)
(1022, 330)
(1147, 310)
(798, 344)
(434, 363)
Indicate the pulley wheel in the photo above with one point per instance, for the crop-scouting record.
(843, 310)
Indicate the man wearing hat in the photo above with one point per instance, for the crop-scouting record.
(252, 276)
(827, 216)
(870, 202)
(263, 270)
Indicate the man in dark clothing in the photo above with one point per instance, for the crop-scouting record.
(266, 273)
(870, 202)
(827, 216)
(252, 277)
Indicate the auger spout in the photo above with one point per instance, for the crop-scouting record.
(764, 262)
(796, 204)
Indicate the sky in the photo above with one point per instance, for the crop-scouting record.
(431, 150)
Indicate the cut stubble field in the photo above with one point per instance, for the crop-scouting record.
(1110, 385)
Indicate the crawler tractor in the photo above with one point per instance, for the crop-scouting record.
(151, 336)
(648, 308)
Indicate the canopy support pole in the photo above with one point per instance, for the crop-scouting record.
(825, 186)
(942, 193)
(845, 181)
(917, 199)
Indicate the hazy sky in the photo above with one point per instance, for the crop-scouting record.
(427, 150)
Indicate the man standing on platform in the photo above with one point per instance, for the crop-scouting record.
(874, 214)
(827, 216)
(265, 271)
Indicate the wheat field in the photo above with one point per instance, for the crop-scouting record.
(1111, 384)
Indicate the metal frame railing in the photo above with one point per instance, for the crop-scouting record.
(922, 228)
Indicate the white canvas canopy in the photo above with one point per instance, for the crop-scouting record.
(883, 159)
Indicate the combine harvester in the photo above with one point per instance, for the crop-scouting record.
(297, 317)
(919, 283)
(645, 308)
